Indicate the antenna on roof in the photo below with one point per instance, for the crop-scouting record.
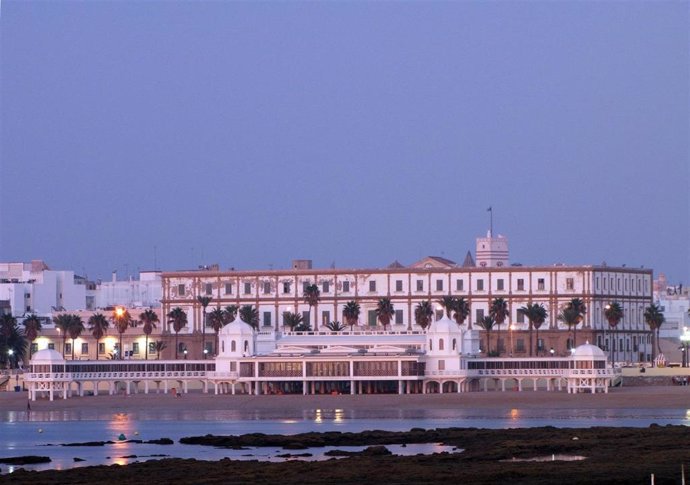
(491, 221)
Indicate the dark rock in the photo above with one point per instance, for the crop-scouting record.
(78, 459)
(25, 460)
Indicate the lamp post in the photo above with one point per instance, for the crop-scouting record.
(511, 327)
(10, 353)
(119, 315)
(552, 351)
(185, 353)
(685, 340)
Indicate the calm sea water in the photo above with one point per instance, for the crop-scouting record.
(40, 433)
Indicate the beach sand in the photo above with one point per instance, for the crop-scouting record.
(672, 397)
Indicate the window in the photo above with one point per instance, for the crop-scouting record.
(441, 345)
(420, 285)
(441, 364)
(455, 344)
(372, 285)
(439, 285)
(596, 282)
(85, 348)
(101, 347)
(520, 317)
(569, 284)
(521, 284)
(267, 319)
(135, 348)
(233, 346)
(34, 348)
(346, 286)
(520, 345)
(208, 347)
(540, 284)
(371, 318)
(180, 290)
(480, 285)
(499, 284)
(305, 284)
(501, 345)
(152, 348)
(398, 285)
(479, 314)
(306, 317)
(51, 346)
(228, 288)
(267, 287)
(398, 317)
(325, 287)
(325, 316)
(246, 346)
(209, 288)
(247, 288)
(439, 314)
(459, 285)
(286, 287)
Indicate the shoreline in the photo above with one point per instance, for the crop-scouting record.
(671, 397)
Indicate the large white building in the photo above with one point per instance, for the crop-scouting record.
(275, 292)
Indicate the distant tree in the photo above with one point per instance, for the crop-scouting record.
(303, 327)
(461, 310)
(122, 320)
(61, 323)
(98, 326)
(536, 316)
(160, 347)
(579, 306)
(487, 323)
(16, 343)
(76, 327)
(292, 320)
(499, 311)
(204, 302)
(312, 295)
(32, 327)
(351, 312)
(177, 318)
(654, 318)
(335, 326)
(448, 304)
(230, 313)
(614, 314)
(423, 314)
(148, 319)
(385, 311)
(217, 319)
(250, 315)
(570, 317)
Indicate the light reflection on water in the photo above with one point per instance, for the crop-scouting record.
(21, 436)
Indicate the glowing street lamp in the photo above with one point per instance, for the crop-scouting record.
(685, 340)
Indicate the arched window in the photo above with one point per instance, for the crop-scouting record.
(233, 346)
(222, 346)
(246, 346)
(440, 344)
(431, 344)
(455, 344)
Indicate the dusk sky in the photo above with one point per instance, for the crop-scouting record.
(356, 133)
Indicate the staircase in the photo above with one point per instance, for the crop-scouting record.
(3, 382)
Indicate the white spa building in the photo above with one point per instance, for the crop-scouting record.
(444, 358)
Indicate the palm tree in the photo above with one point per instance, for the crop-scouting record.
(423, 313)
(292, 320)
(385, 311)
(62, 323)
(7, 325)
(32, 326)
(487, 323)
(250, 315)
(654, 318)
(448, 304)
(230, 313)
(461, 310)
(217, 319)
(614, 314)
(579, 306)
(76, 327)
(98, 326)
(303, 327)
(204, 301)
(15, 342)
(178, 319)
(499, 312)
(148, 319)
(351, 313)
(536, 316)
(121, 321)
(160, 347)
(335, 326)
(571, 317)
(312, 295)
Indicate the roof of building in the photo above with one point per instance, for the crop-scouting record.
(588, 351)
(444, 325)
(237, 327)
(395, 265)
(434, 262)
(468, 261)
(47, 356)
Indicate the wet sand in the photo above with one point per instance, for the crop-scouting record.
(672, 397)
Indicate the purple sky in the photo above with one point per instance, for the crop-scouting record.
(252, 133)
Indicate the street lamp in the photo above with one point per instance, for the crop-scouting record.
(511, 327)
(685, 340)
(185, 354)
(552, 351)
